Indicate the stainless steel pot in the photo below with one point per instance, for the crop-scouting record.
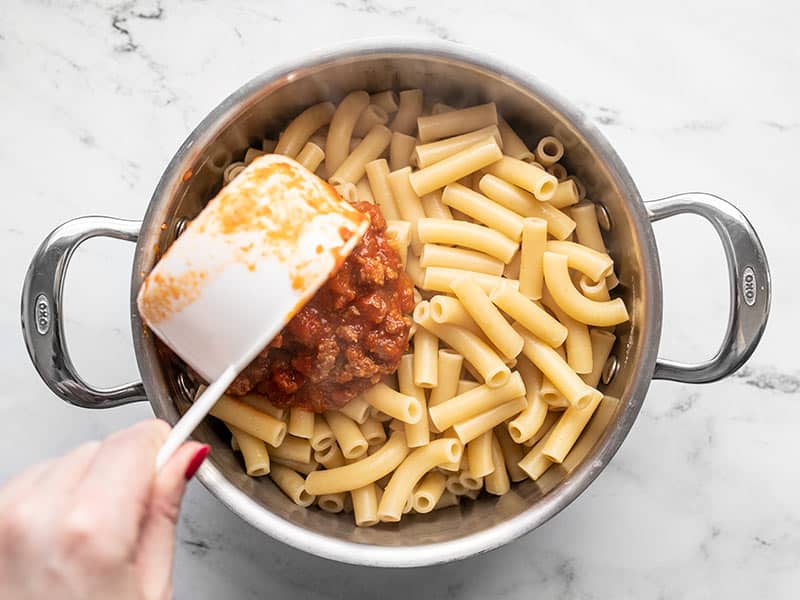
(458, 76)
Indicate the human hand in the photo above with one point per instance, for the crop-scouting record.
(98, 523)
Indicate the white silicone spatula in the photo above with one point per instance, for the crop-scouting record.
(241, 270)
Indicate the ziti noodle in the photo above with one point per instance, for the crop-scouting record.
(514, 323)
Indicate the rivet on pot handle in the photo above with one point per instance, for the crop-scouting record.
(748, 274)
(42, 323)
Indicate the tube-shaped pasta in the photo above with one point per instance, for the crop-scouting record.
(556, 369)
(254, 452)
(512, 453)
(566, 194)
(468, 235)
(373, 431)
(248, 419)
(408, 204)
(434, 255)
(470, 481)
(402, 407)
(387, 100)
(491, 367)
(291, 484)
(587, 230)
(456, 122)
(439, 279)
(602, 343)
(471, 428)
(453, 484)
(573, 421)
(370, 148)
(533, 179)
(520, 201)
(511, 270)
(261, 403)
(268, 145)
(433, 207)
(592, 263)
(364, 192)
(566, 431)
(429, 491)
(479, 455)
(252, 154)
(486, 211)
(528, 314)
(301, 423)
(304, 468)
(417, 434)
(341, 129)
(549, 150)
(416, 273)
(409, 108)
(488, 317)
(513, 145)
(425, 359)
(578, 344)
(549, 421)
(594, 291)
(475, 402)
(534, 463)
(361, 472)
(456, 166)
(554, 399)
(449, 310)
(530, 420)
(323, 437)
(465, 385)
(401, 147)
(534, 240)
(331, 503)
(399, 233)
(449, 368)
(428, 154)
(357, 410)
(411, 470)
(331, 457)
(441, 107)
(378, 176)
(231, 171)
(497, 482)
(294, 449)
(365, 505)
(575, 304)
(347, 434)
(372, 115)
(302, 127)
(560, 172)
(311, 156)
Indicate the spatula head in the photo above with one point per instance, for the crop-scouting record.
(249, 261)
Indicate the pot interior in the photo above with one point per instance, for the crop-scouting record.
(264, 107)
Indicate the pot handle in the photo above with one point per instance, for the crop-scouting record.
(748, 275)
(42, 324)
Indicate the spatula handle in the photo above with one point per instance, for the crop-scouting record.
(191, 419)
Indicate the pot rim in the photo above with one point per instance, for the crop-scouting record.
(580, 478)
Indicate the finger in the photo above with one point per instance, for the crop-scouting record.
(19, 487)
(119, 480)
(157, 541)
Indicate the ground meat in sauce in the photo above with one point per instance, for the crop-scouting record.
(351, 333)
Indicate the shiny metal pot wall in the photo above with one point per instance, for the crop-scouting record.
(457, 76)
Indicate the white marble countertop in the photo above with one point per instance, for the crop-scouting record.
(703, 499)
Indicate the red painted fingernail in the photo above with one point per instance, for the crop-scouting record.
(196, 461)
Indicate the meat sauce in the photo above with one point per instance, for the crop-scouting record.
(350, 334)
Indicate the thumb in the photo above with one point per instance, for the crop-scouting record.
(157, 538)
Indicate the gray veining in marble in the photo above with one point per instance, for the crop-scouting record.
(701, 501)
